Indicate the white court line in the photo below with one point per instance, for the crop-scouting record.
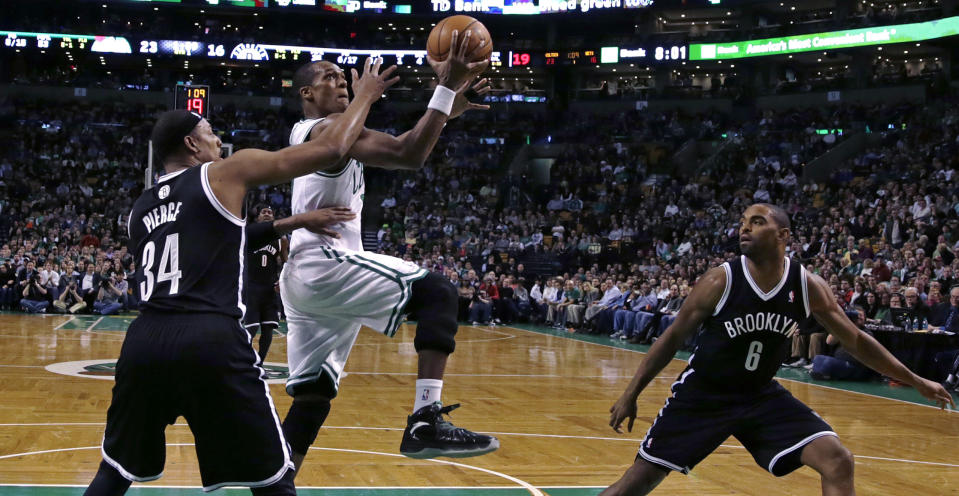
(529, 487)
(71, 319)
(519, 434)
(779, 378)
(94, 324)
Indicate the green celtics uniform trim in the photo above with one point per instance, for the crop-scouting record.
(405, 281)
(332, 376)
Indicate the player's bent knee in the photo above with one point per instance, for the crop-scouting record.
(830, 458)
(434, 304)
(839, 465)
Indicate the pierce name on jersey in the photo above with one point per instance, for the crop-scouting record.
(160, 215)
(344, 187)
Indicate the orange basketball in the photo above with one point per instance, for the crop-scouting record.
(438, 44)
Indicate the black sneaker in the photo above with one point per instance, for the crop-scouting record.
(427, 435)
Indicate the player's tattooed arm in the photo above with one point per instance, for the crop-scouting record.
(699, 305)
(864, 347)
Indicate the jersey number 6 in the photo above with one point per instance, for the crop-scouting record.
(753, 355)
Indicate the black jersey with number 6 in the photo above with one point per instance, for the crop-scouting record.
(743, 342)
(188, 247)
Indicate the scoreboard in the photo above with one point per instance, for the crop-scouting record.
(195, 98)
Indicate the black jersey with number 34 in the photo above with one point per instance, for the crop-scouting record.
(743, 342)
(188, 247)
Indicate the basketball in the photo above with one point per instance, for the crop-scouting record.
(438, 44)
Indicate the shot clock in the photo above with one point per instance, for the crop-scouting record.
(195, 98)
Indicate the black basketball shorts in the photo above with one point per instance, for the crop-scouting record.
(261, 306)
(771, 424)
(200, 366)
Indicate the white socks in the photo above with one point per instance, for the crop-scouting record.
(428, 391)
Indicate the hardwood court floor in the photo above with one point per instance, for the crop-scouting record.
(546, 395)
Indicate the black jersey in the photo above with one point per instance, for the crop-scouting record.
(261, 267)
(743, 342)
(188, 247)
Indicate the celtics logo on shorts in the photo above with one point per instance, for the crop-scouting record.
(276, 373)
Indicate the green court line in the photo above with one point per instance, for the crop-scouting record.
(392, 491)
(875, 388)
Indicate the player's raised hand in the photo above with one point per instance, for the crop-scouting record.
(462, 101)
(933, 391)
(319, 221)
(625, 408)
(456, 72)
(373, 82)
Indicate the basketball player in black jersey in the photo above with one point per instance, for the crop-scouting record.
(259, 293)
(749, 307)
(186, 353)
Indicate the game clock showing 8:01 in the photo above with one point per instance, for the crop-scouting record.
(195, 98)
(675, 52)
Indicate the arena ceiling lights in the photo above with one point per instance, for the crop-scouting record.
(880, 35)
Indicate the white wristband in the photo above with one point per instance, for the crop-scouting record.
(442, 100)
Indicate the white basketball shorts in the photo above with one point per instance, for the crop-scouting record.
(328, 294)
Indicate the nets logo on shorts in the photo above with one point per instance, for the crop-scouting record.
(276, 373)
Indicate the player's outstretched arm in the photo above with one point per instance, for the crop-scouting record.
(231, 178)
(698, 307)
(410, 149)
(319, 221)
(864, 347)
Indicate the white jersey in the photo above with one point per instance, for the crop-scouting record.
(345, 187)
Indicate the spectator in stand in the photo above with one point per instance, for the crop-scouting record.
(8, 285)
(481, 308)
(521, 298)
(610, 293)
(36, 298)
(492, 292)
(572, 294)
(69, 300)
(917, 310)
(50, 279)
(89, 284)
(466, 293)
(841, 366)
(575, 311)
(668, 306)
(945, 316)
(112, 289)
(537, 301)
(553, 300)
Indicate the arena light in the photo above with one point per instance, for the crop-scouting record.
(880, 35)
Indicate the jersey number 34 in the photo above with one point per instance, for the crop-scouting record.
(169, 269)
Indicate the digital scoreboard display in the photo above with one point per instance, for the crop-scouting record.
(195, 98)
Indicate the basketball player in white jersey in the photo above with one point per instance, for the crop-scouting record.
(331, 287)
